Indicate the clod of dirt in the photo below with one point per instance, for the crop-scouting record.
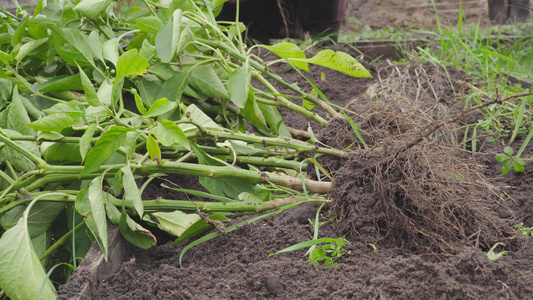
(300, 214)
(274, 285)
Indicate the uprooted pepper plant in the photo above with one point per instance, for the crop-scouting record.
(90, 102)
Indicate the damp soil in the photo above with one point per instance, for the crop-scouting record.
(419, 222)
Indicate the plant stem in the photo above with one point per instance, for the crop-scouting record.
(284, 102)
(71, 173)
(282, 142)
(39, 163)
(241, 57)
(62, 240)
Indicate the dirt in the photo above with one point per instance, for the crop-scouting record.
(431, 208)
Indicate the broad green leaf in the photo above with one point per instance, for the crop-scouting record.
(70, 108)
(186, 37)
(139, 102)
(97, 201)
(62, 83)
(173, 88)
(55, 122)
(40, 218)
(106, 146)
(160, 107)
(147, 50)
(21, 272)
(19, 32)
(200, 117)
(168, 134)
(131, 191)
(135, 233)
(150, 24)
(85, 141)
(199, 227)
(53, 136)
(339, 61)
(239, 84)
(105, 92)
(29, 47)
(17, 115)
(110, 50)
(230, 187)
(19, 161)
(205, 80)
(131, 63)
(253, 114)
(54, 9)
(290, 50)
(166, 41)
(175, 222)
(62, 153)
(92, 8)
(71, 45)
(274, 120)
(153, 149)
(88, 88)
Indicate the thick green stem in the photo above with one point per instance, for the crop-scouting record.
(187, 205)
(71, 173)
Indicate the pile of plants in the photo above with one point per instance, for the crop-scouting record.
(90, 102)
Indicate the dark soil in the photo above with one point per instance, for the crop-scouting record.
(432, 229)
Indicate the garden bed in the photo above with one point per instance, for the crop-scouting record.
(397, 245)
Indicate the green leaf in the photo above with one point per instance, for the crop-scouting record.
(239, 84)
(153, 149)
(21, 272)
(339, 61)
(168, 134)
(508, 150)
(71, 45)
(166, 41)
(253, 114)
(62, 83)
(55, 122)
(85, 141)
(92, 8)
(173, 88)
(205, 80)
(17, 115)
(150, 24)
(106, 146)
(19, 32)
(40, 217)
(199, 227)
(135, 233)
(54, 9)
(175, 222)
(290, 50)
(139, 102)
(29, 47)
(220, 186)
(131, 63)
(19, 161)
(131, 191)
(98, 212)
(160, 107)
(110, 50)
(519, 164)
(306, 244)
(88, 88)
(501, 157)
(62, 153)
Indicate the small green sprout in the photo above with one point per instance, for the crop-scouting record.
(510, 161)
(495, 256)
(329, 253)
(526, 231)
